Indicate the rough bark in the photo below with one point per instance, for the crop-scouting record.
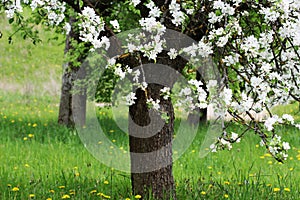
(71, 102)
(152, 172)
(159, 182)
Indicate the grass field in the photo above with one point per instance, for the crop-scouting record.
(39, 157)
(42, 160)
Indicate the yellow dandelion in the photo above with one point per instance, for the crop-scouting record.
(8, 185)
(26, 165)
(61, 187)
(193, 151)
(257, 146)
(203, 193)
(34, 125)
(106, 196)
(31, 195)
(15, 189)
(137, 196)
(51, 191)
(77, 174)
(111, 131)
(210, 186)
(226, 196)
(72, 192)
(49, 198)
(291, 169)
(99, 194)
(276, 189)
(267, 155)
(287, 189)
(209, 167)
(25, 138)
(66, 196)
(261, 157)
(113, 140)
(226, 182)
(270, 162)
(219, 173)
(93, 191)
(30, 135)
(13, 121)
(269, 184)
(127, 199)
(106, 182)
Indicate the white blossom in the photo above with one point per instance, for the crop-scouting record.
(130, 98)
(172, 53)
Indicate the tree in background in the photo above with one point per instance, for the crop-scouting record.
(255, 45)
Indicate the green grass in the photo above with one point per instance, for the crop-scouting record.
(38, 157)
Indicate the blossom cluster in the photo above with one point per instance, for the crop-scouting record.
(55, 9)
(90, 28)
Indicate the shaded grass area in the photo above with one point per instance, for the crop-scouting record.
(46, 160)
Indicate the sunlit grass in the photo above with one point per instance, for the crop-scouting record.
(42, 160)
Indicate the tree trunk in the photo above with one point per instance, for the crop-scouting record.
(70, 103)
(150, 137)
(152, 172)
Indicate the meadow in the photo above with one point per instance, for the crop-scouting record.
(40, 159)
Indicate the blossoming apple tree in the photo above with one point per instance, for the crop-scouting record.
(254, 44)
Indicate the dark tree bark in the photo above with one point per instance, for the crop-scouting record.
(71, 103)
(150, 138)
(159, 181)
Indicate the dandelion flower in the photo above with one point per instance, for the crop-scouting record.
(93, 191)
(51, 191)
(106, 182)
(66, 196)
(226, 196)
(276, 189)
(30, 135)
(203, 192)
(49, 198)
(25, 138)
(34, 125)
(106, 196)
(137, 196)
(226, 182)
(61, 187)
(15, 189)
(287, 189)
(31, 195)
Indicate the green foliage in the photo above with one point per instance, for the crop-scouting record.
(105, 86)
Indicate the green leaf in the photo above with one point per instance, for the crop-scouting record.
(11, 20)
